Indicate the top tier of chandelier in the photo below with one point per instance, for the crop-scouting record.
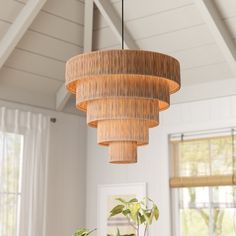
(122, 92)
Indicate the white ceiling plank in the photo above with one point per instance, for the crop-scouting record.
(63, 96)
(174, 41)
(48, 46)
(219, 88)
(88, 29)
(219, 31)
(154, 25)
(113, 20)
(58, 28)
(16, 95)
(18, 28)
(36, 64)
(71, 10)
(137, 9)
(206, 73)
(3, 28)
(208, 54)
(27, 81)
(10, 9)
(49, 24)
(178, 40)
(226, 8)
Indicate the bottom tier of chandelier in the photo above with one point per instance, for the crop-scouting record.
(122, 152)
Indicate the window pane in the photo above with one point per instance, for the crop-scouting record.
(221, 156)
(194, 222)
(228, 224)
(11, 151)
(8, 214)
(194, 198)
(207, 211)
(193, 158)
(224, 210)
(11, 155)
(202, 157)
(224, 196)
(194, 215)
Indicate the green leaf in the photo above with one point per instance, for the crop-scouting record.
(83, 232)
(141, 219)
(134, 209)
(133, 200)
(80, 232)
(121, 200)
(147, 216)
(116, 210)
(128, 235)
(126, 212)
(156, 212)
(91, 231)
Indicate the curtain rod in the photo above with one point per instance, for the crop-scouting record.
(181, 135)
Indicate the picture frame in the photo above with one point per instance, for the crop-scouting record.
(107, 195)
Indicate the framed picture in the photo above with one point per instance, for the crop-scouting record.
(107, 195)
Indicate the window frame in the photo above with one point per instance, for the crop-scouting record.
(175, 219)
(175, 199)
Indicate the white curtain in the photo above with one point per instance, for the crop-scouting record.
(33, 130)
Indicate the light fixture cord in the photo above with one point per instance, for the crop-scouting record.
(122, 24)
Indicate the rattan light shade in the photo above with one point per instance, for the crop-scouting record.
(122, 92)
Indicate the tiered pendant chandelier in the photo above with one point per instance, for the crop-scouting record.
(122, 92)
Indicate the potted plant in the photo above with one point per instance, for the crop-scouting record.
(137, 212)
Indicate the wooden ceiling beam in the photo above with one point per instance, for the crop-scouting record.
(219, 31)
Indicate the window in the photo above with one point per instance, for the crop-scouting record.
(11, 152)
(203, 182)
(24, 151)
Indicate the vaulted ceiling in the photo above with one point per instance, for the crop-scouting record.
(204, 41)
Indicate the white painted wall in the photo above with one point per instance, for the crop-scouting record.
(66, 177)
(153, 165)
